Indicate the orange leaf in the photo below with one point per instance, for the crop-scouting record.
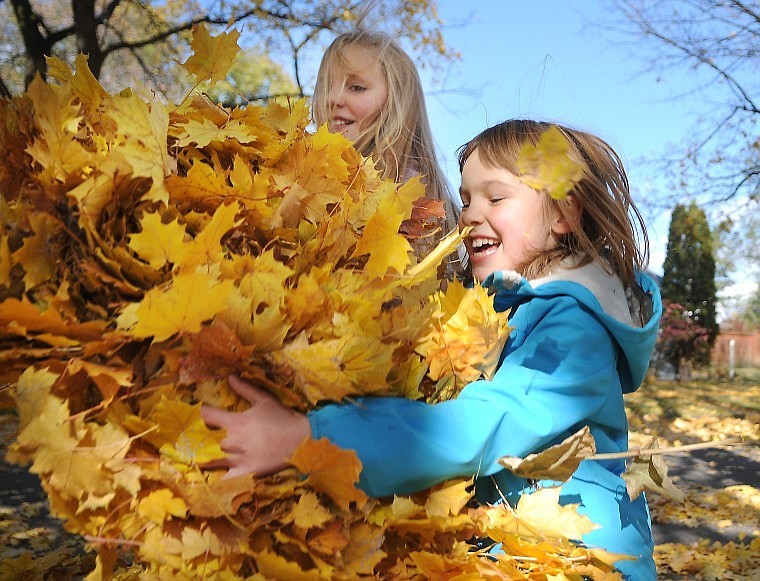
(214, 351)
(331, 470)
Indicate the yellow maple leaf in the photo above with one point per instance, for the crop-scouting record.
(215, 498)
(83, 82)
(548, 166)
(464, 338)
(144, 127)
(186, 438)
(542, 511)
(31, 390)
(158, 242)
(36, 253)
(56, 148)
(204, 132)
(206, 248)
(273, 566)
(197, 543)
(308, 512)
(191, 299)
(429, 265)
(387, 248)
(200, 183)
(315, 367)
(161, 504)
(449, 498)
(212, 55)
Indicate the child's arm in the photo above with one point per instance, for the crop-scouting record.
(558, 376)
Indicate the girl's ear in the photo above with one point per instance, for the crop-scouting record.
(568, 217)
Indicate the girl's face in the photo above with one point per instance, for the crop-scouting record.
(509, 219)
(356, 94)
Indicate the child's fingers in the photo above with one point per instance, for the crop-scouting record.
(216, 417)
(245, 389)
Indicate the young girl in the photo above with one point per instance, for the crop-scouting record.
(584, 321)
(368, 89)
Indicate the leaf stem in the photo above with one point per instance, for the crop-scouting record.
(636, 452)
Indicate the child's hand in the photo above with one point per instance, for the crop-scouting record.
(260, 439)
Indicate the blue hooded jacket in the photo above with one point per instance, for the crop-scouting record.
(573, 351)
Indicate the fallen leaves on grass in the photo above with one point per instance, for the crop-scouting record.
(710, 561)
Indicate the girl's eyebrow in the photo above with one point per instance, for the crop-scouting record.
(355, 76)
(490, 183)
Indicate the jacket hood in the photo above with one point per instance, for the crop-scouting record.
(631, 315)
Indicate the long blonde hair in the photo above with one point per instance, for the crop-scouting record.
(399, 139)
(608, 224)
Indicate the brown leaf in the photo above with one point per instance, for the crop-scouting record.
(649, 472)
(557, 462)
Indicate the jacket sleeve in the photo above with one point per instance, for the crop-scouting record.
(558, 370)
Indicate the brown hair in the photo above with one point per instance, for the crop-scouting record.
(606, 229)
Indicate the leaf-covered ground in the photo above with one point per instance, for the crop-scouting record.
(715, 534)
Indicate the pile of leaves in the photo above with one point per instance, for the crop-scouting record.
(148, 251)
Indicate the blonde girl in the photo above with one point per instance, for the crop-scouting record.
(368, 89)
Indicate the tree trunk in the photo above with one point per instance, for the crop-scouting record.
(37, 45)
(86, 29)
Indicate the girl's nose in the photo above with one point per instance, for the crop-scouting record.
(470, 216)
(335, 96)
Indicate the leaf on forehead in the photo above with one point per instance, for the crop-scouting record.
(548, 166)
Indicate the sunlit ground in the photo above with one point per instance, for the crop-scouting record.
(715, 533)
